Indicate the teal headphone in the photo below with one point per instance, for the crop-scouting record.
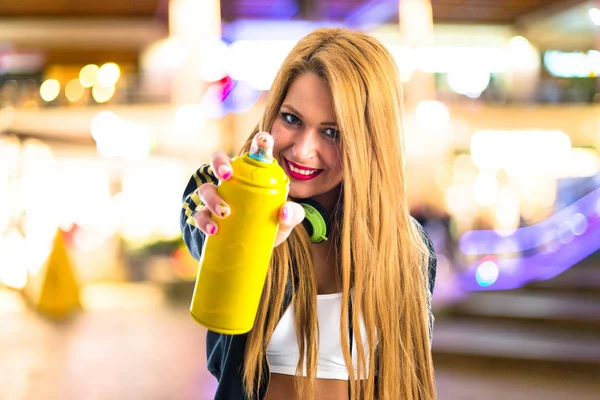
(316, 220)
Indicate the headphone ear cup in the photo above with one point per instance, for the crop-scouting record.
(316, 220)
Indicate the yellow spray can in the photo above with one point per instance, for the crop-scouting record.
(234, 262)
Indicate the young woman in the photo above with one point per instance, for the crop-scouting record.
(348, 317)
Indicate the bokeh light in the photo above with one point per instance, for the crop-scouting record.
(594, 14)
(190, 118)
(486, 188)
(487, 273)
(49, 90)
(74, 90)
(432, 114)
(579, 224)
(470, 82)
(12, 260)
(102, 94)
(88, 75)
(109, 74)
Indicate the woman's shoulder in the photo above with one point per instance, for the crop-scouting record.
(432, 260)
(424, 235)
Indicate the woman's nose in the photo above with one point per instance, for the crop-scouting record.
(305, 145)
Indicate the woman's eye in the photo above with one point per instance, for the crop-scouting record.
(290, 119)
(332, 133)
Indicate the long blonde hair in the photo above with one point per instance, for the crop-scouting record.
(381, 256)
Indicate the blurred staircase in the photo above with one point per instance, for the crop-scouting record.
(546, 329)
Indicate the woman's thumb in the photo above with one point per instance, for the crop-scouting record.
(291, 214)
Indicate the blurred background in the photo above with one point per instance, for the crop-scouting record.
(107, 107)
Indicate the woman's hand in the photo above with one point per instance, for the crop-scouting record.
(290, 215)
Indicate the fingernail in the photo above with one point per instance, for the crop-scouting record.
(286, 213)
(225, 172)
(222, 210)
(211, 228)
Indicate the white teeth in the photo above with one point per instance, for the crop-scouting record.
(299, 171)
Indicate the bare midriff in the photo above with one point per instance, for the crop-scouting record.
(282, 387)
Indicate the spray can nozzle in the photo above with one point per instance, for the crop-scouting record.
(261, 148)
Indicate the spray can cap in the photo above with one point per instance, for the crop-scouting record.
(261, 148)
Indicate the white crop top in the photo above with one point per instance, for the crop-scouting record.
(282, 351)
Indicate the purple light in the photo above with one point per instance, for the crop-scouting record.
(548, 263)
(272, 30)
(372, 13)
(566, 222)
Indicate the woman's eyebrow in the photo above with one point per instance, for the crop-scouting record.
(299, 115)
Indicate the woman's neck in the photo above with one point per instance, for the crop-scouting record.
(325, 261)
(329, 199)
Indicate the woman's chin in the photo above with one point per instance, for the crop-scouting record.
(299, 194)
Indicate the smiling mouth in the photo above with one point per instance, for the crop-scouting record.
(300, 173)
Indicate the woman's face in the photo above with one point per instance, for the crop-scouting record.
(306, 141)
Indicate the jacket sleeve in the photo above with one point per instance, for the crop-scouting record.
(431, 272)
(192, 236)
(194, 240)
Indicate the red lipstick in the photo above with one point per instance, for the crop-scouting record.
(300, 172)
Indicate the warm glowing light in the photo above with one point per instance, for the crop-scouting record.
(584, 163)
(443, 59)
(405, 59)
(262, 70)
(7, 114)
(102, 94)
(49, 90)
(136, 142)
(432, 114)
(190, 118)
(12, 264)
(521, 153)
(164, 55)
(464, 169)
(12, 303)
(572, 64)
(519, 41)
(486, 189)
(523, 59)
(594, 14)
(74, 90)
(470, 82)
(459, 199)
(508, 210)
(214, 54)
(118, 138)
(7, 200)
(109, 74)
(88, 75)
(104, 122)
(443, 177)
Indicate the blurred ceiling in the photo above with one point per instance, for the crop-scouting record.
(83, 8)
(492, 11)
(78, 31)
(445, 11)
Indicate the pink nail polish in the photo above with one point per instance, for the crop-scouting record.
(212, 229)
(285, 214)
(225, 172)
